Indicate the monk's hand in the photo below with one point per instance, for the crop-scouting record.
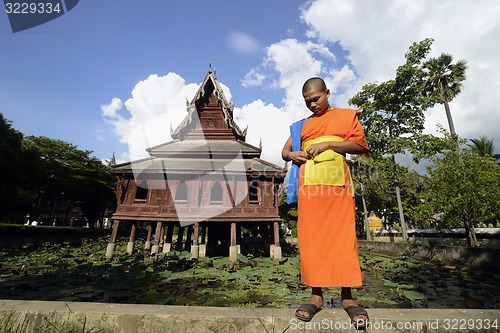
(298, 157)
(316, 149)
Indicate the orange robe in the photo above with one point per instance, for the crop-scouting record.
(326, 225)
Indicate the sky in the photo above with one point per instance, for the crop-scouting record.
(113, 76)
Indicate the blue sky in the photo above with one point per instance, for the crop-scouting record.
(113, 76)
(55, 77)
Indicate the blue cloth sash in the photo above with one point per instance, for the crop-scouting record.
(293, 181)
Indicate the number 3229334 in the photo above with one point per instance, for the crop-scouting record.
(467, 324)
(32, 8)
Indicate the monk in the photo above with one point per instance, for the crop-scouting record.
(326, 209)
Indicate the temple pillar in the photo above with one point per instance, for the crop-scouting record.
(167, 246)
(180, 236)
(189, 236)
(154, 248)
(233, 249)
(130, 245)
(202, 247)
(203, 234)
(147, 245)
(276, 251)
(195, 250)
(162, 237)
(238, 238)
(110, 250)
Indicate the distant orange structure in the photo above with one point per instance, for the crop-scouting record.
(375, 222)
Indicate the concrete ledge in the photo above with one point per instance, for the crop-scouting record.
(135, 318)
(480, 257)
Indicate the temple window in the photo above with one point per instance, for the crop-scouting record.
(141, 194)
(216, 194)
(181, 193)
(254, 193)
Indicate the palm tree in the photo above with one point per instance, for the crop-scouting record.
(484, 146)
(444, 81)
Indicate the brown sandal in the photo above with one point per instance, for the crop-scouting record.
(356, 310)
(309, 308)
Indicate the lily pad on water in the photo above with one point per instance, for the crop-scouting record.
(391, 284)
(58, 272)
(414, 295)
(242, 258)
(280, 291)
(165, 274)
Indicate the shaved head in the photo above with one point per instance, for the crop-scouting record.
(314, 83)
(316, 95)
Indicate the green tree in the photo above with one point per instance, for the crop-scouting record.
(17, 173)
(444, 81)
(484, 146)
(415, 187)
(359, 172)
(393, 115)
(288, 213)
(378, 184)
(100, 195)
(464, 189)
(71, 177)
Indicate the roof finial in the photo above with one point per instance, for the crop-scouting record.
(260, 143)
(210, 67)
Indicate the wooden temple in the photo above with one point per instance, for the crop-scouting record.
(206, 185)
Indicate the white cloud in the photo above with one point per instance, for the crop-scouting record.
(268, 123)
(100, 135)
(340, 80)
(110, 110)
(375, 35)
(293, 62)
(159, 102)
(370, 30)
(243, 43)
(156, 104)
(289, 61)
(253, 79)
(378, 33)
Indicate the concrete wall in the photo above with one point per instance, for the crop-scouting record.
(473, 256)
(140, 318)
(486, 237)
(487, 243)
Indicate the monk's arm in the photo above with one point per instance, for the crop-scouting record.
(344, 147)
(287, 154)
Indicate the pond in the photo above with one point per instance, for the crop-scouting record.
(62, 272)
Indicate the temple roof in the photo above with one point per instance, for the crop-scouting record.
(201, 146)
(209, 87)
(179, 165)
(207, 140)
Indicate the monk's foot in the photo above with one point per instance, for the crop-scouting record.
(358, 315)
(315, 300)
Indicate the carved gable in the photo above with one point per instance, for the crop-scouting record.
(210, 116)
